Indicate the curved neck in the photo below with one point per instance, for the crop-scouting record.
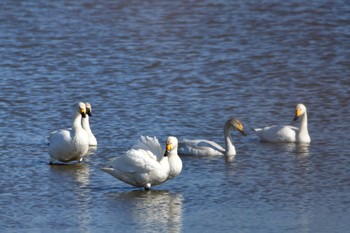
(229, 147)
(77, 121)
(85, 123)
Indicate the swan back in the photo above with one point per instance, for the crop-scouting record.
(151, 146)
(277, 133)
(200, 147)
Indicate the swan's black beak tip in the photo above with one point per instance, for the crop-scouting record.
(166, 153)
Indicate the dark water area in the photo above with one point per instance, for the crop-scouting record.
(179, 68)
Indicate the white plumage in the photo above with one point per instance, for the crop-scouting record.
(86, 125)
(286, 133)
(146, 164)
(69, 145)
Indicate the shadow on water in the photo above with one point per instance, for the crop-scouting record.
(154, 209)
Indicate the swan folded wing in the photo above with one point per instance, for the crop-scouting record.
(138, 169)
(200, 148)
(151, 146)
(277, 133)
(210, 144)
(61, 147)
(60, 136)
(136, 161)
(48, 138)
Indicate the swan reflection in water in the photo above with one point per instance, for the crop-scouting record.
(79, 171)
(155, 210)
(299, 149)
(77, 176)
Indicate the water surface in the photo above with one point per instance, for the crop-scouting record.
(177, 68)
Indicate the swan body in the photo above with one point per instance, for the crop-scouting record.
(209, 148)
(200, 147)
(146, 164)
(286, 133)
(86, 125)
(69, 145)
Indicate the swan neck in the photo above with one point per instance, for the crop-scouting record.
(175, 164)
(77, 121)
(303, 124)
(229, 147)
(303, 135)
(85, 123)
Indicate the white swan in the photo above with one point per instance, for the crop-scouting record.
(287, 133)
(69, 145)
(146, 164)
(209, 148)
(86, 125)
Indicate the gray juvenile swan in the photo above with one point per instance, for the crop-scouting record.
(210, 148)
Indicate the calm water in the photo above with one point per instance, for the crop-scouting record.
(176, 68)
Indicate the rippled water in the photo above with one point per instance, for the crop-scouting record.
(176, 68)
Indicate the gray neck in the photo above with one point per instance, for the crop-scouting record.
(229, 147)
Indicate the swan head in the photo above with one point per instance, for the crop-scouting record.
(171, 145)
(88, 109)
(82, 109)
(300, 109)
(236, 124)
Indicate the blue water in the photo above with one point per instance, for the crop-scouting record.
(177, 68)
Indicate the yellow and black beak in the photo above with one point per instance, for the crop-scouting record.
(83, 112)
(297, 114)
(241, 129)
(167, 149)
